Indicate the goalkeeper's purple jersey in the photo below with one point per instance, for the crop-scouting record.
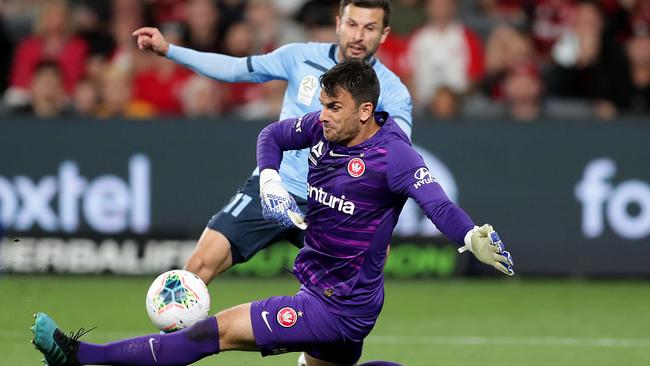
(355, 195)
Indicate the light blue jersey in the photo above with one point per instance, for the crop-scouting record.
(301, 65)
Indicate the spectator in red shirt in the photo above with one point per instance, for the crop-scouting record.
(52, 41)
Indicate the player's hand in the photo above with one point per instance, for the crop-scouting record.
(277, 204)
(487, 247)
(151, 39)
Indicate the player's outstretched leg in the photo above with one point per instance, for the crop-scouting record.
(180, 348)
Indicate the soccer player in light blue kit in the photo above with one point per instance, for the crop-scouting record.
(362, 168)
(238, 231)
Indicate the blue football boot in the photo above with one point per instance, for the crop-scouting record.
(58, 348)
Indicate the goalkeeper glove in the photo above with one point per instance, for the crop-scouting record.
(278, 205)
(487, 247)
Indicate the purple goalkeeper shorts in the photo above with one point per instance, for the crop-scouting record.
(302, 323)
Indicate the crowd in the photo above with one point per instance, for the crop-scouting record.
(502, 59)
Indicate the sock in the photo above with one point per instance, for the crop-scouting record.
(379, 363)
(179, 348)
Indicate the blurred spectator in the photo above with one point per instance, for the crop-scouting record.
(86, 99)
(523, 92)
(444, 52)
(640, 18)
(589, 63)
(445, 104)
(239, 39)
(270, 31)
(231, 12)
(202, 97)
(506, 48)
(637, 95)
(95, 67)
(550, 20)
(317, 18)
(116, 96)
(90, 20)
(160, 84)
(202, 20)
(127, 15)
(47, 94)
(52, 40)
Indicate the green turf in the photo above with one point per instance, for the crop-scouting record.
(453, 322)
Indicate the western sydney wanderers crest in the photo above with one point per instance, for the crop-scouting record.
(287, 317)
(356, 167)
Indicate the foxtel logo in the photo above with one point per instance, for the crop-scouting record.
(108, 203)
(337, 203)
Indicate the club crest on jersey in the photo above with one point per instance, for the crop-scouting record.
(422, 177)
(356, 167)
(287, 317)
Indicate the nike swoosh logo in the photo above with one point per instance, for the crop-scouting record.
(151, 340)
(335, 155)
(266, 321)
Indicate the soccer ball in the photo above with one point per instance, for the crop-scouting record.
(177, 299)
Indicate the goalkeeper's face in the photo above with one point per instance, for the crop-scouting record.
(342, 117)
(360, 31)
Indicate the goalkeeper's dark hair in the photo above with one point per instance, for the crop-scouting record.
(370, 4)
(355, 76)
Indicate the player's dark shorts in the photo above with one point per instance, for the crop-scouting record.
(302, 323)
(242, 223)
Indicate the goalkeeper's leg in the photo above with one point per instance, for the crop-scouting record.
(229, 330)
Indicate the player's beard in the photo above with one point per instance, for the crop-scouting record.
(368, 54)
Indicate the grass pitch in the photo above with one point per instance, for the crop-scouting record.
(426, 322)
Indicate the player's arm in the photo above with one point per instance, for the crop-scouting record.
(408, 175)
(291, 134)
(274, 65)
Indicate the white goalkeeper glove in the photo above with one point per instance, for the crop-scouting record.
(277, 204)
(487, 247)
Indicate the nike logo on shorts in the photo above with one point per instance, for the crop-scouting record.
(266, 321)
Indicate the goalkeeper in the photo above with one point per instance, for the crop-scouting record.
(238, 231)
